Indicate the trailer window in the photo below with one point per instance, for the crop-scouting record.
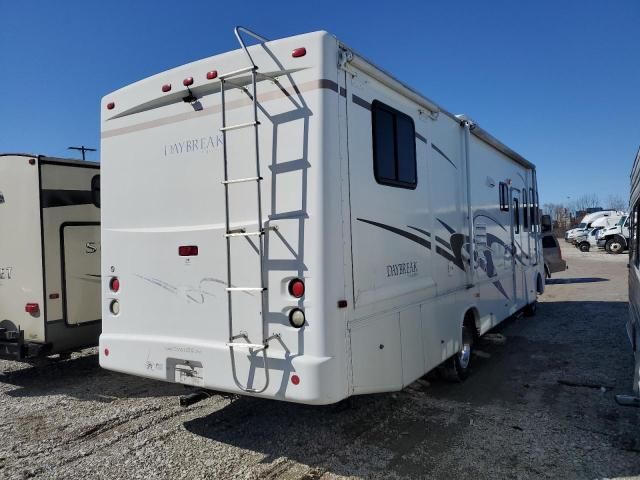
(394, 147)
(516, 215)
(532, 210)
(95, 190)
(504, 197)
(525, 209)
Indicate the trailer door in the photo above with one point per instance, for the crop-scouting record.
(80, 248)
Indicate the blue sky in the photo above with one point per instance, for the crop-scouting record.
(558, 81)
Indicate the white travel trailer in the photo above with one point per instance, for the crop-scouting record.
(307, 228)
(49, 255)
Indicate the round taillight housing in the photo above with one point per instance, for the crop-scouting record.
(114, 284)
(296, 288)
(296, 318)
(114, 307)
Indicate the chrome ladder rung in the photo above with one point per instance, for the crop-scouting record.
(240, 71)
(233, 233)
(258, 346)
(242, 180)
(240, 125)
(246, 289)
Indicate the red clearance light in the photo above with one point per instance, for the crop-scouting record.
(296, 287)
(295, 379)
(299, 52)
(114, 284)
(213, 74)
(32, 308)
(187, 81)
(54, 296)
(32, 161)
(111, 106)
(106, 352)
(166, 87)
(188, 250)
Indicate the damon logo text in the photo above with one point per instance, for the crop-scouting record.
(5, 273)
(202, 144)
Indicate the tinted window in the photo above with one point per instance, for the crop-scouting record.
(95, 190)
(504, 197)
(525, 210)
(516, 215)
(549, 242)
(394, 147)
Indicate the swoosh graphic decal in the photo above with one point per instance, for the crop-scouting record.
(443, 155)
(420, 230)
(399, 231)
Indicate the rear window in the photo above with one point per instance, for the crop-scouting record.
(549, 242)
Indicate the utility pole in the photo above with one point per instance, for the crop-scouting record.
(82, 149)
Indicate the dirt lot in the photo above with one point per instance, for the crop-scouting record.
(538, 404)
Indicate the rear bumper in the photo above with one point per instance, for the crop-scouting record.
(212, 365)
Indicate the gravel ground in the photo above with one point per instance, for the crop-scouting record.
(539, 404)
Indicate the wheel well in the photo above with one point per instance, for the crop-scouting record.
(472, 320)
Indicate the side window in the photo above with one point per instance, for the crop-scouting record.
(516, 215)
(525, 209)
(394, 147)
(95, 190)
(504, 197)
(634, 230)
(532, 210)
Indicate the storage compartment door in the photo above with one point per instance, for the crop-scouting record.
(80, 245)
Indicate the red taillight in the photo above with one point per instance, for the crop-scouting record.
(213, 74)
(111, 106)
(188, 250)
(296, 287)
(295, 379)
(32, 308)
(166, 87)
(114, 284)
(187, 81)
(299, 52)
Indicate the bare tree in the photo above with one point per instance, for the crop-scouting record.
(587, 200)
(615, 202)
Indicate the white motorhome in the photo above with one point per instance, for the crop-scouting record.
(49, 255)
(586, 223)
(307, 227)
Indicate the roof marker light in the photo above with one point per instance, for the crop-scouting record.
(187, 81)
(166, 87)
(213, 74)
(299, 52)
(111, 105)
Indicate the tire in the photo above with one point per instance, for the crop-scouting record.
(584, 247)
(458, 368)
(614, 246)
(531, 309)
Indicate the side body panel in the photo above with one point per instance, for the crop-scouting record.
(20, 247)
(633, 324)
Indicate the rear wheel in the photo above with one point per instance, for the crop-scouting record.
(584, 247)
(614, 246)
(531, 309)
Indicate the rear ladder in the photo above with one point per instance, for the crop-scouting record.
(241, 340)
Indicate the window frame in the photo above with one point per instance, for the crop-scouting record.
(377, 104)
(503, 192)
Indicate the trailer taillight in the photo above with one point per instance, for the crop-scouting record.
(296, 287)
(187, 81)
(32, 308)
(166, 87)
(188, 250)
(299, 52)
(212, 75)
(114, 284)
(296, 318)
